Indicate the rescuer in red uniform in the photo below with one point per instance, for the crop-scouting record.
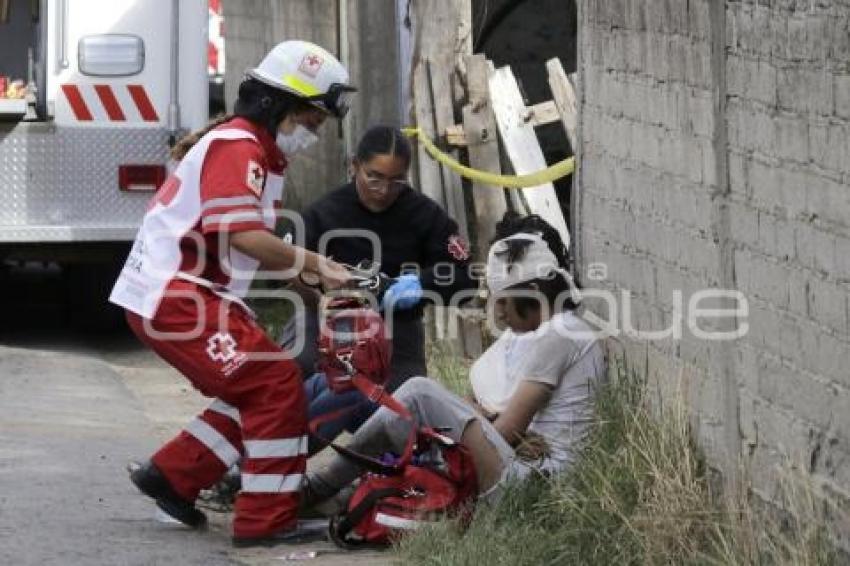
(205, 235)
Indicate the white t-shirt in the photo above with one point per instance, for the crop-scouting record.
(563, 354)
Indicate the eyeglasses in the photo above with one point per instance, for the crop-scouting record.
(376, 183)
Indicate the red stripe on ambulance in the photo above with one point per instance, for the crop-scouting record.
(143, 103)
(110, 103)
(86, 100)
(78, 104)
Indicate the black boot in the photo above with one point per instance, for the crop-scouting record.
(152, 483)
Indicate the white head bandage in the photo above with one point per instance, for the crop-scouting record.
(537, 262)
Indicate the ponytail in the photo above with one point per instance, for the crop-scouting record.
(182, 147)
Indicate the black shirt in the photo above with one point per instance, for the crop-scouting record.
(414, 235)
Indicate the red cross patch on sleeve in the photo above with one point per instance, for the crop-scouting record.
(458, 248)
(255, 177)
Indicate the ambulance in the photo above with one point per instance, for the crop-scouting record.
(94, 92)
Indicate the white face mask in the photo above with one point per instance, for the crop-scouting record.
(299, 140)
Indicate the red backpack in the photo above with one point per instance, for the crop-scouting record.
(353, 341)
(394, 499)
(432, 478)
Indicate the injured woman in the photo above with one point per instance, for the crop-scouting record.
(533, 388)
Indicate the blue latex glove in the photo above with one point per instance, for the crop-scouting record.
(405, 293)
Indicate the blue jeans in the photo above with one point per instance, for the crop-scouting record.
(321, 401)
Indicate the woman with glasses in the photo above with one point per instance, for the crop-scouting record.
(378, 217)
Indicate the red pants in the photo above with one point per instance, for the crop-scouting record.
(259, 414)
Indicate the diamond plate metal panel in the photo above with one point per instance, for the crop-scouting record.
(32, 233)
(61, 184)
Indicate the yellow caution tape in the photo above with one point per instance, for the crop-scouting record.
(560, 169)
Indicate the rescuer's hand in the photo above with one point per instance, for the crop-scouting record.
(333, 275)
(405, 293)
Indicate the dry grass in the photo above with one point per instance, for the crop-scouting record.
(451, 370)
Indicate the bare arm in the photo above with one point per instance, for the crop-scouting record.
(276, 255)
(529, 397)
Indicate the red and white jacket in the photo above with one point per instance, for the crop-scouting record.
(230, 181)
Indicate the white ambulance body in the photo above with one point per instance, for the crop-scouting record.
(114, 82)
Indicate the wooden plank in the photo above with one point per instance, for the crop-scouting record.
(456, 136)
(430, 177)
(564, 94)
(442, 37)
(565, 99)
(537, 115)
(523, 149)
(462, 50)
(444, 117)
(543, 113)
(516, 199)
(441, 32)
(480, 130)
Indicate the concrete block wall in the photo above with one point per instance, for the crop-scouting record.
(648, 184)
(715, 152)
(787, 66)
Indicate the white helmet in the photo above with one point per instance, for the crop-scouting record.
(309, 72)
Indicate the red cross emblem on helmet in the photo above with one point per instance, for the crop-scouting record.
(311, 64)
